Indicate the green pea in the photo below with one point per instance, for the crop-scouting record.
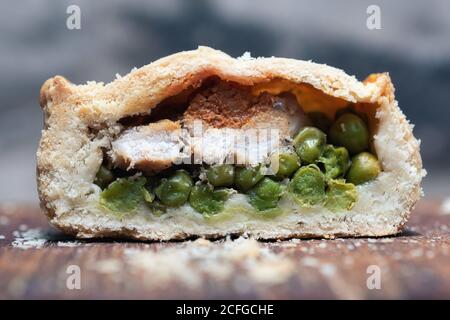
(123, 195)
(104, 177)
(365, 167)
(288, 163)
(266, 194)
(174, 191)
(340, 195)
(309, 144)
(320, 120)
(221, 175)
(308, 186)
(247, 178)
(335, 160)
(149, 196)
(351, 132)
(206, 200)
(155, 206)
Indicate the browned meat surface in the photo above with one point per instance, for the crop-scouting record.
(226, 105)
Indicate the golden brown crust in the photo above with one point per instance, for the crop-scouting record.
(69, 153)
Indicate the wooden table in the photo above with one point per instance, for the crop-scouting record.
(39, 262)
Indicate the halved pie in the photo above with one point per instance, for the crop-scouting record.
(202, 144)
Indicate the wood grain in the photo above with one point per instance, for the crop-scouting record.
(415, 264)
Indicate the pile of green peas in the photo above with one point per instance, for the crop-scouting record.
(308, 170)
(346, 157)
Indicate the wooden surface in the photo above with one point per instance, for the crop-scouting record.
(34, 261)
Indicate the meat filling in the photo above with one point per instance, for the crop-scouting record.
(227, 113)
(151, 148)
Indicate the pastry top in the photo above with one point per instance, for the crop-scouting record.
(144, 88)
(81, 119)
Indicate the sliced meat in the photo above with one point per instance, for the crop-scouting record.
(150, 148)
(237, 126)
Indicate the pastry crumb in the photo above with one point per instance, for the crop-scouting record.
(28, 239)
(445, 206)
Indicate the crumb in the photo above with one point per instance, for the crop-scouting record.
(68, 243)
(202, 242)
(273, 271)
(310, 262)
(31, 238)
(190, 262)
(328, 269)
(246, 56)
(322, 245)
(445, 206)
(106, 266)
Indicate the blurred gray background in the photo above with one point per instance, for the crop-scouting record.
(413, 45)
